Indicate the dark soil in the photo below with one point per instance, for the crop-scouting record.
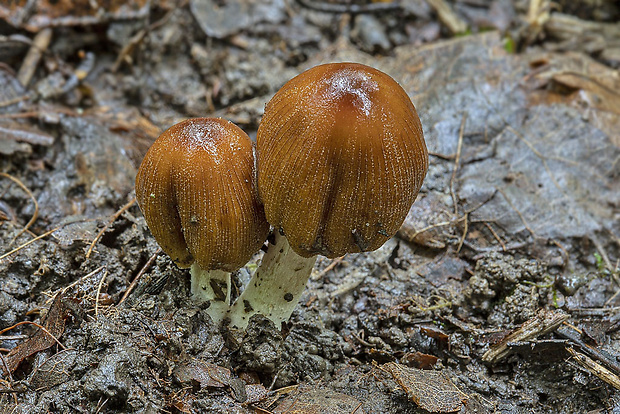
(516, 226)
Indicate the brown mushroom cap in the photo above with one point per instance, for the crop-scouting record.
(197, 191)
(341, 158)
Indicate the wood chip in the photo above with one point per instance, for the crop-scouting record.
(544, 322)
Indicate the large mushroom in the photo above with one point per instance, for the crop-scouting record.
(341, 158)
(197, 190)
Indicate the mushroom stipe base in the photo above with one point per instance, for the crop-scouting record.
(276, 287)
(211, 286)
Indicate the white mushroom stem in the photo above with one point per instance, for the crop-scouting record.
(275, 288)
(211, 286)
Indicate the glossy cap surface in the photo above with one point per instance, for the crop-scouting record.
(197, 191)
(341, 158)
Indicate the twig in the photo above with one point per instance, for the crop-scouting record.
(538, 13)
(601, 251)
(499, 240)
(38, 326)
(6, 367)
(13, 101)
(465, 229)
(139, 37)
(39, 45)
(47, 233)
(329, 267)
(51, 295)
(544, 322)
(134, 282)
(595, 368)
(13, 337)
(457, 161)
(105, 273)
(34, 200)
(435, 225)
(446, 157)
(448, 17)
(349, 7)
(100, 407)
(109, 223)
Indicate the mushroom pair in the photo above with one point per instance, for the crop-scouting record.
(340, 160)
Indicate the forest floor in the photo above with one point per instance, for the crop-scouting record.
(498, 294)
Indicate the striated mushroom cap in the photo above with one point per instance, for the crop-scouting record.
(341, 158)
(197, 190)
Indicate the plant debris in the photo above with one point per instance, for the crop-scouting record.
(430, 390)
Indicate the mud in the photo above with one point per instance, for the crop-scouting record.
(519, 214)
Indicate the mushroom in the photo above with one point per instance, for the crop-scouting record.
(197, 190)
(341, 158)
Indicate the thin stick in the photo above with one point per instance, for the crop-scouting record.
(329, 267)
(13, 101)
(80, 280)
(38, 326)
(105, 273)
(39, 45)
(47, 233)
(499, 240)
(331, 7)
(457, 161)
(527, 227)
(6, 367)
(448, 17)
(107, 226)
(13, 337)
(465, 230)
(134, 282)
(34, 200)
(441, 224)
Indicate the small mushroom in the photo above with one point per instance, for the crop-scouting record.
(197, 190)
(341, 158)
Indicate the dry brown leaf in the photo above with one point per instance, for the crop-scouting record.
(598, 88)
(420, 360)
(206, 374)
(321, 401)
(54, 325)
(49, 13)
(430, 390)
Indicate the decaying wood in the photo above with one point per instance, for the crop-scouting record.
(546, 321)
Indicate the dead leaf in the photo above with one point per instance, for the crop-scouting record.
(597, 88)
(54, 324)
(255, 393)
(181, 401)
(36, 15)
(430, 390)
(600, 95)
(206, 374)
(321, 401)
(420, 360)
(55, 371)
